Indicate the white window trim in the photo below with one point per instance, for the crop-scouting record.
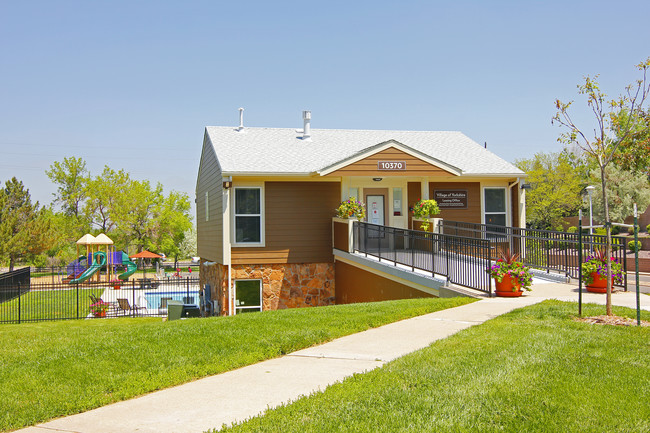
(507, 204)
(261, 306)
(233, 227)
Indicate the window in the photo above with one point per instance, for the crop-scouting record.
(248, 296)
(248, 215)
(207, 207)
(495, 206)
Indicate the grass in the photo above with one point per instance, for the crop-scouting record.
(49, 305)
(532, 370)
(51, 369)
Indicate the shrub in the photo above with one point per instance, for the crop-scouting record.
(634, 248)
(647, 228)
(616, 230)
(572, 229)
(630, 230)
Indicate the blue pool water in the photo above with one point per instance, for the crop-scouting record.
(154, 298)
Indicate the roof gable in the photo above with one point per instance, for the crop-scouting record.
(368, 162)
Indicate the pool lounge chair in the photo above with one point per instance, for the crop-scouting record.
(125, 307)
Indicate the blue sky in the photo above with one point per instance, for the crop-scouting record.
(132, 84)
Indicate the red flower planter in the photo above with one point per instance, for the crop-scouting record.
(100, 314)
(598, 284)
(505, 288)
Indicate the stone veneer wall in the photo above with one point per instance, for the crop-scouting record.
(283, 285)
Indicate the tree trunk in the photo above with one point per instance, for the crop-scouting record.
(608, 243)
(11, 263)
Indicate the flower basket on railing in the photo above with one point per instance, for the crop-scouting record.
(351, 208)
(423, 210)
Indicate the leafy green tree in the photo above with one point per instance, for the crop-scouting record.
(174, 224)
(624, 188)
(106, 198)
(71, 176)
(610, 132)
(634, 152)
(23, 228)
(137, 217)
(556, 187)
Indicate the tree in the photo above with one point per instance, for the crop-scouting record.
(174, 224)
(624, 188)
(634, 153)
(556, 187)
(23, 228)
(610, 132)
(105, 198)
(71, 177)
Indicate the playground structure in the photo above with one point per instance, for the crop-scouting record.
(99, 255)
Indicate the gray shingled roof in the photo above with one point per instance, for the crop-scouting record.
(281, 150)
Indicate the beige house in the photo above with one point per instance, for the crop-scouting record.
(266, 198)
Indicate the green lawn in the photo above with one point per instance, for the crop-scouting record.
(49, 305)
(532, 370)
(50, 369)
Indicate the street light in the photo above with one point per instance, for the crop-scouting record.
(590, 189)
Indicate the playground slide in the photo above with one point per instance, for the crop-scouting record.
(75, 269)
(130, 267)
(99, 261)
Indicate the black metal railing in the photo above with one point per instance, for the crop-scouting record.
(462, 260)
(61, 301)
(546, 250)
(14, 283)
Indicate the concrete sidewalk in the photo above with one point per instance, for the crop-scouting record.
(240, 394)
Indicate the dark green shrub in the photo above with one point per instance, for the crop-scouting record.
(572, 229)
(616, 230)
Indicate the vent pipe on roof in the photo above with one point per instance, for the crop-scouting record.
(306, 131)
(241, 120)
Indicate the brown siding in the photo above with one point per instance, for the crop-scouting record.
(473, 212)
(209, 234)
(298, 225)
(414, 194)
(514, 200)
(368, 166)
(341, 236)
(358, 285)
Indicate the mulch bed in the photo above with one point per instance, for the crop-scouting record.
(611, 320)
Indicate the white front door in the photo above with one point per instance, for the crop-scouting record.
(376, 209)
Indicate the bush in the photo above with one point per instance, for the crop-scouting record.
(630, 230)
(572, 229)
(616, 230)
(600, 231)
(634, 248)
(647, 228)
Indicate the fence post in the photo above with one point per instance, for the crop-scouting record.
(77, 300)
(580, 263)
(19, 296)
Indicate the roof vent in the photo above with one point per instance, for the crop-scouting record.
(241, 120)
(306, 131)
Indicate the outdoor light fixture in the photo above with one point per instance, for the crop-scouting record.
(377, 179)
(227, 184)
(526, 186)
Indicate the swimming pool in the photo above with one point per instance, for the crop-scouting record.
(154, 299)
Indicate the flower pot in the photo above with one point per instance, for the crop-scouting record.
(117, 286)
(598, 284)
(100, 314)
(507, 288)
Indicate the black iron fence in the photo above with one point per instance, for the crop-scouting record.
(462, 260)
(13, 284)
(44, 301)
(540, 249)
(54, 274)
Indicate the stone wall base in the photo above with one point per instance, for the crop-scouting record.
(292, 285)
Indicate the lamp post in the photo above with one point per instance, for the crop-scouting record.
(590, 189)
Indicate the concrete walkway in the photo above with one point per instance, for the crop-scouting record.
(240, 394)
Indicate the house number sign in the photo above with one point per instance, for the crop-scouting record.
(391, 165)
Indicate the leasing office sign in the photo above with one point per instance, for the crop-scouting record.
(451, 199)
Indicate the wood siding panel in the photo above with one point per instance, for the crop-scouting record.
(358, 285)
(298, 224)
(209, 234)
(414, 194)
(514, 201)
(368, 166)
(473, 212)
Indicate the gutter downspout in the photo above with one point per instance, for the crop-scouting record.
(228, 248)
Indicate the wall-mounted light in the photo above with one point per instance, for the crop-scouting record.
(526, 186)
(377, 179)
(227, 184)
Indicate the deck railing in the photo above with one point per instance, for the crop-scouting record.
(546, 250)
(461, 260)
